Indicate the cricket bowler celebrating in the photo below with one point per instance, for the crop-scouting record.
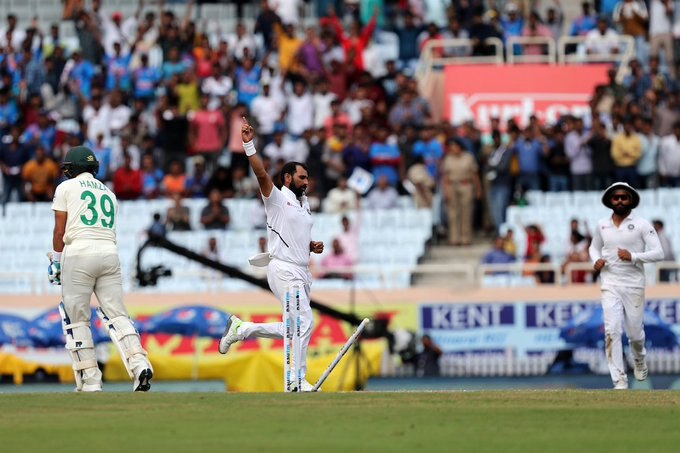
(289, 224)
(621, 244)
(85, 260)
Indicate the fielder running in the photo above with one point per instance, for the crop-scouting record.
(289, 222)
(621, 244)
(85, 260)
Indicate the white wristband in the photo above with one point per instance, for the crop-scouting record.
(56, 256)
(249, 148)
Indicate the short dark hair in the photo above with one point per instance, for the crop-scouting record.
(290, 168)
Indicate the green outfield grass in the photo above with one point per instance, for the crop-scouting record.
(494, 421)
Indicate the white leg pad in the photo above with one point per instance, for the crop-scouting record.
(80, 347)
(126, 339)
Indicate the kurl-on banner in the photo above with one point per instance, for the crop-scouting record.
(480, 93)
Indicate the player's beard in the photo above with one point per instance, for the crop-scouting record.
(622, 210)
(299, 191)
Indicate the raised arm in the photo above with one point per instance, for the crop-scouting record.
(263, 179)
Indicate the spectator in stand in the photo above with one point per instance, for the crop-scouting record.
(665, 275)
(357, 41)
(152, 177)
(557, 162)
(535, 29)
(632, 18)
(118, 74)
(530, 153)
(576, 253)
(336, 117)
(585, 22)
(217, 86)
(175, 181)
(579, 154)
(265, 22)
(195, 185)
(500, 178)
(341, 199)
(337, 259)
(221, 181)
(207, 132)
(41, 132)
(247, 81)
(669, 158)
(267, 111)
(215, 216)
(480, 31)
(356, 153)
(102, 152)
(9, 114)
(383, 195)
(509, 245)
(349, 236)
(78, 74)
(127, 182)
(429, 148)
(498, 255)
(333, 157)
(600, 146)
(454, 30)
(423, 184)
(299, 111)
(173, 133)
(145, 80)
(244, 185)
(431, 34)
(602, 40)
(460, 187)
(157, 228)
(535, 239)
(513, 23)
(39, 176)
(647, 166)
(385, 157)
(661, 23)
(408, 41)
(13, 156)
(178, 215)
(554, 20)
(173, 65)
(626, 152)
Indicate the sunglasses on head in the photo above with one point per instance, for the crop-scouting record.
(620, 197)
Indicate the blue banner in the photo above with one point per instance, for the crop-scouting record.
(525, 328)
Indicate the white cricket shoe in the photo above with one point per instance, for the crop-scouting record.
(640, 370)
(230, 335)
(621, 384)
(143, 380)
(306, 387)
(90, 388)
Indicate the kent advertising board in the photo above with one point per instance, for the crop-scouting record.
(524, 327)
(480, 93)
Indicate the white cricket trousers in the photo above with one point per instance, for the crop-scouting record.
(282, 275)
(623, 307)
(81, 276)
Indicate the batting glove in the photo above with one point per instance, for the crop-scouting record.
(54, 269)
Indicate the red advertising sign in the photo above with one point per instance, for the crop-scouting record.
(480, 93)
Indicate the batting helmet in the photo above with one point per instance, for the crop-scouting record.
(79, 160)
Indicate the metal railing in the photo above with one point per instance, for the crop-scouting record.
(388, 276)
(523, 42)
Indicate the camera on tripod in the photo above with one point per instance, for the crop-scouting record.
(150, 277)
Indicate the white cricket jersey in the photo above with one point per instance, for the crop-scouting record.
(91, 209)
(636, 235)
(290, 226)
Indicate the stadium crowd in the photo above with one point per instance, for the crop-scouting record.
(160, 102)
